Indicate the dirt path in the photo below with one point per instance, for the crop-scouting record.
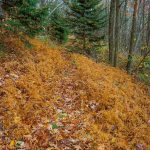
(65, 127)
(69, 110)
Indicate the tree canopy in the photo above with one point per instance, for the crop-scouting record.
(24, 17)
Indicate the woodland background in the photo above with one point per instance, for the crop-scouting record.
(111, 31)
(74, 74)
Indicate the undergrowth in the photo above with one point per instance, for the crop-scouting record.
(51, 99)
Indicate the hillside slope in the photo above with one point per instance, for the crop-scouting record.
(54, 100)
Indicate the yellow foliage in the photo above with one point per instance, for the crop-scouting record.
(37, 80)
(12, 144)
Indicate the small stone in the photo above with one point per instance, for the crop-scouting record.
(139, 147)
(7, 76)
(59, 111)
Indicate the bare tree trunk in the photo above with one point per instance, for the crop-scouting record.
(125, 26)
(140, 27)
(116, 33)
(130, 54)
(148, 29)
(143, 22)
(111, 30)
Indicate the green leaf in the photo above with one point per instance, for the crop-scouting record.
(54, 126)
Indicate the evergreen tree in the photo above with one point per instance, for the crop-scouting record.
(86, 18)
(23, 16)
(58, 26)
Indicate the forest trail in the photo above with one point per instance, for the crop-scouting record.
(68, 108)
(54, 100)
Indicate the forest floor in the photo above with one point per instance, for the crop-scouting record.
(54, 100)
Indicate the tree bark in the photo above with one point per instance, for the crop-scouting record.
(116, 33)
(123, 27)
(148, 29)
(111, 30)
(131, 47)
